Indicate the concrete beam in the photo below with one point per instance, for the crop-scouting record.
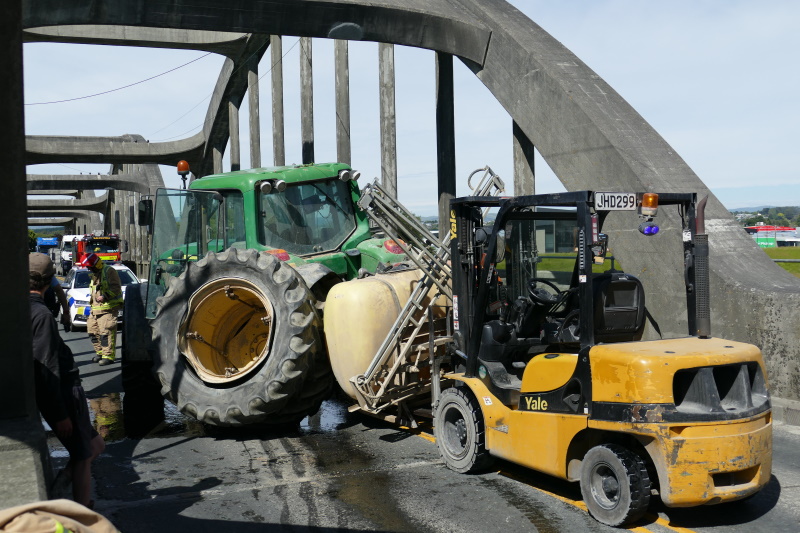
(445, 139)
(388, 123)
(64, 212)
(44, 222)
(278, 137)
(219, 42)
(440, 26)
(306, 102)
(57, 192)
(342, 91)
(51, 183)
(97, 204)
(41, 149)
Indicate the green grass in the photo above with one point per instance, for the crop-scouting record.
(786, 252)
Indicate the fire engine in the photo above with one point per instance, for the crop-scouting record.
(108, 247)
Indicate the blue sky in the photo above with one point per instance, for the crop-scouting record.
(718, 79)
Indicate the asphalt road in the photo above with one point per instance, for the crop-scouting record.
(348, 472)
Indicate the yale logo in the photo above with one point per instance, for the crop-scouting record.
(453, 224)
(535, 404)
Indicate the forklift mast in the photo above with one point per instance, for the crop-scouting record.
(477, 250)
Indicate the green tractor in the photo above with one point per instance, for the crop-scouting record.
(230, 321)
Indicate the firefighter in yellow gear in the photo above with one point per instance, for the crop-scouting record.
(105, 298)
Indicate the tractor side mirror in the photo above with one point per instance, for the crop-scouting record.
(145, 217)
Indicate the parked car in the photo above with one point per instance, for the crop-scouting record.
(76, 286)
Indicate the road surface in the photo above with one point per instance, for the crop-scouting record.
(347, 472)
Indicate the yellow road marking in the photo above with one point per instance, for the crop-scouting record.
(575, 503)
(661, 522)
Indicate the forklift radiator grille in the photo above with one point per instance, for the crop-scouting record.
(729, 389)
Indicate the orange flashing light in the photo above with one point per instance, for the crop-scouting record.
(649, 204)
(183, 167)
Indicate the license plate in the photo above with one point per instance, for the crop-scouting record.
(615, 201)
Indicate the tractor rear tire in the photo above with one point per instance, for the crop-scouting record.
(294, 375)
(460, 432)
(615, 485)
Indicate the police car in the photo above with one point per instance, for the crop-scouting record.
(76, 287)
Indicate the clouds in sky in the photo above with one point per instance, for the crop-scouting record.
(718, 79)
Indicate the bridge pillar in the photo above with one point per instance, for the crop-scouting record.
(306, 101)
(233, 128)
(524, 172)
(387, 118)
(24, 459)
(278, 141)
(255, 120)
(445, 138)
(342, 84)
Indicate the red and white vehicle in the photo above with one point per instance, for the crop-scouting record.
(108, 247)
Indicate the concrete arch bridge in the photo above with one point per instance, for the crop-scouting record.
(586, 132)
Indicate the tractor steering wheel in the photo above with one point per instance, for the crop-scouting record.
(543, 296)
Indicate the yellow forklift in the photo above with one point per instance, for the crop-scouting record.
(548, 370)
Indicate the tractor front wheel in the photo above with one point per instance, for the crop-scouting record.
(615, 485)
(238, 342)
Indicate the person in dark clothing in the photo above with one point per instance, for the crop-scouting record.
(59, 395)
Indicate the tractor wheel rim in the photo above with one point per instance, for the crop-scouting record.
(227, 330)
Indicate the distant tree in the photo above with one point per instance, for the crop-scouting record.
(753, 220)
(780, 220)
(31, 240)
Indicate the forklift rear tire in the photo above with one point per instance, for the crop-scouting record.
(459, 431)
(615, 485)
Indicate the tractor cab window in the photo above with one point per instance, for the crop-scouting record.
(235, 234)
(307, 218)
(186, 227)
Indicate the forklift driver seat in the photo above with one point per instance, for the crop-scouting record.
(618, 307)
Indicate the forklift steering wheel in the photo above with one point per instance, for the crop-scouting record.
(543, 296)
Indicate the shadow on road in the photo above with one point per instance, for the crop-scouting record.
(728, 514)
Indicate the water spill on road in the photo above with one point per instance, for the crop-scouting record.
(544, 520)
(107, 420)
(113, 419)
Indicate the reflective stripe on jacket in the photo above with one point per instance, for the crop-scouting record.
(111, 300)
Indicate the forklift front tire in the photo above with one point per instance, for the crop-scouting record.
(460, 433)
(615, 485)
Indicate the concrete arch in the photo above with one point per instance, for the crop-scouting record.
(586, 132)
(97, 204)
(53, 183)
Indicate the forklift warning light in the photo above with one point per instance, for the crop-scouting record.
(648, 228)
